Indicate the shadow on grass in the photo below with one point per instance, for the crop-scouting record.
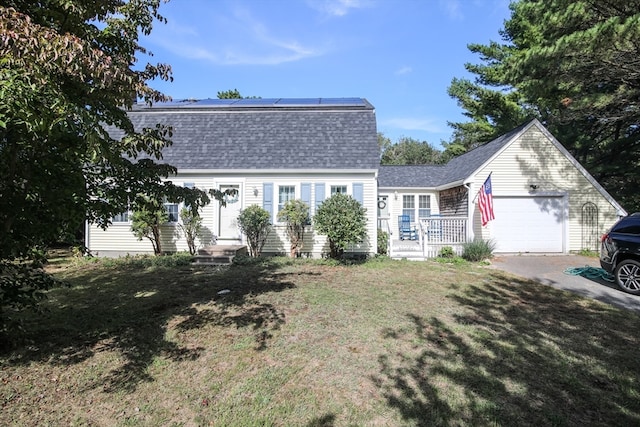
(515, 353)
(128, 309)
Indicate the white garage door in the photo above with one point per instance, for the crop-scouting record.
(528, 224)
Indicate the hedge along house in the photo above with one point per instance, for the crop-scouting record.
(544, 200)
(270, 151)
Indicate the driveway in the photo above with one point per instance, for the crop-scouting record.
(549, 270)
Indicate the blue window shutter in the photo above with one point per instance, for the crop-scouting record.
(267, 198)
(319, 194)
(358, 192)
(305, 193)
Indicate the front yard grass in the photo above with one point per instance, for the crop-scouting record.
(314, 343)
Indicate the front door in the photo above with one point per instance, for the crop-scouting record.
(228, 224)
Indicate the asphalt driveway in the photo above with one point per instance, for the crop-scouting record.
(550, 270)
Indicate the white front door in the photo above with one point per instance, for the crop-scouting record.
(228, 223)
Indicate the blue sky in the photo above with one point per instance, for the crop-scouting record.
(400, 55)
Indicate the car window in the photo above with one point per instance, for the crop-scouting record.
(628, 227)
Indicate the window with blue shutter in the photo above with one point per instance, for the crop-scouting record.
(358, 192)
(319, 195)
(267, 198)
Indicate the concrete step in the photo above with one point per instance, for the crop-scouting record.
(219, 254)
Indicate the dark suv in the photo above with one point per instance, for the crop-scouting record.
(620, 253)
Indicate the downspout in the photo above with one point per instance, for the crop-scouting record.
(86, 237)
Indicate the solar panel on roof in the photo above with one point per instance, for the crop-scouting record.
(256, 101)
(214, 102)
(341, 101)
(299, 101)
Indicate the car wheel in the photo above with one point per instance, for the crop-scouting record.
(628, 276)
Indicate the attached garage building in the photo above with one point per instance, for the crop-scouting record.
(544, 200)
(534, 224)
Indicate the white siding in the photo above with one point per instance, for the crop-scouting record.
(118, 239)
(533, 160)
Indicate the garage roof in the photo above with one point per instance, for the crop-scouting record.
(457, 169)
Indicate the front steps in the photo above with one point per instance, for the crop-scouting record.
(219, 254)
(406, 249)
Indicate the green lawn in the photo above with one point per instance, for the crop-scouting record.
(310, 343)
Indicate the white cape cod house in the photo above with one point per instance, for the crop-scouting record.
(274, 150)
(270, 151)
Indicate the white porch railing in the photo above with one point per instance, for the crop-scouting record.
(436, 233)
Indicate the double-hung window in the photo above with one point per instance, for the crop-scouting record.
(409, 206)
(424, 206)
(123, 217)
(172, 211)
(342, 189)
(285, 193)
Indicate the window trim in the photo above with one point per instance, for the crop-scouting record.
(342, 186)
(428, 204)
(128, 213)
(411, 211)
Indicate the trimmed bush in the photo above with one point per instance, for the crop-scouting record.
(255, 223)
(343, 220)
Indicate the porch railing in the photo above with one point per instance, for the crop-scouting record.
(438, 232)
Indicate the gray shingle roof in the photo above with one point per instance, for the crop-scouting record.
(267, 134)
(406, 176)
(461, 167)
(457, 169)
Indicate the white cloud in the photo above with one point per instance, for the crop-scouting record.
(237, 39)
(337, 7)
(452, 8)
(404, 70)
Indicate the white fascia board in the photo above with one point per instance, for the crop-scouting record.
(407, 189)
(277, 171)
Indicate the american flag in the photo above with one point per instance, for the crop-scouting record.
(485, 202)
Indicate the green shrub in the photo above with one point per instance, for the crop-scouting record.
(383, 242)
(478, 250)
(295, 213)
(343, 220)
(145, 261)
(446, 252)
(589, 253)
(255, 224)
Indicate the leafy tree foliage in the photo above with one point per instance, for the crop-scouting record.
(573, 64)
(295, 213)
(146, 223)
(408, 151)
(233, 94)
(69, 70)
(255, 223)
(343, 220)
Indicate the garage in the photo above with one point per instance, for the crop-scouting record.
(529, 224)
